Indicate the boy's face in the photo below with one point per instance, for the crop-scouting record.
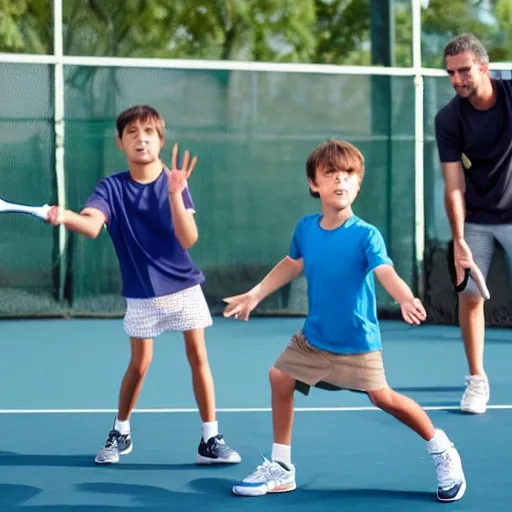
(337, 189)
(140, 142)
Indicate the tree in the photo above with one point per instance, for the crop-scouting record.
(261, 30)
(443, 20)
(26, 26)
(342, 32)
(319, 31)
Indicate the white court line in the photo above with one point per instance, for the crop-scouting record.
(239, 410)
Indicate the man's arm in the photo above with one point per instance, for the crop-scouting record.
(454, 187)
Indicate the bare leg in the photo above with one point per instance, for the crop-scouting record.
(131, 386)
(202, 380)
(405, 410)
(283, 387)
(472, 324)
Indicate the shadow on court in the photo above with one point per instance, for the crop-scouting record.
(12, 495)
(215, 494)
(87, 461)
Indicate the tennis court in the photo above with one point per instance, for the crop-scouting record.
(60, 381)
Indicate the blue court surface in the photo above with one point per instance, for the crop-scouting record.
(60, 379)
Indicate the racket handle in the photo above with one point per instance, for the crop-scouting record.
(36, 211)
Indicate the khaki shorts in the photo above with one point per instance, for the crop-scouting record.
(310, 366)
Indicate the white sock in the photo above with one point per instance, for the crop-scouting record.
(210, 429)
(282, 453)
(123, 427)
(439, 443)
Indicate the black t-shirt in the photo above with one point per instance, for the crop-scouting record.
(482, 141)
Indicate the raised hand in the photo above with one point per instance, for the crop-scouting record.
(177, 178)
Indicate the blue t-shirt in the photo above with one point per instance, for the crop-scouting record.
(338, 265)
(152, 261)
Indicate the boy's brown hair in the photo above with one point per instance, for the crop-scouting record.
(142, 113)
(335, 154)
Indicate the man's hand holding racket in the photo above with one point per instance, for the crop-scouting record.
(466, 267)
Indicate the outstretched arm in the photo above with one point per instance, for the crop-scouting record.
(241, 306)
(88, 222)
(413, 311)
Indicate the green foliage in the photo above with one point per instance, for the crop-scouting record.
(26, 26)
(319, 31)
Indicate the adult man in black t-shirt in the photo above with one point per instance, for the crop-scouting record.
(474, 139)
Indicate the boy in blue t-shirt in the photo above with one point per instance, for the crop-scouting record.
(149, 215)
(339, 346)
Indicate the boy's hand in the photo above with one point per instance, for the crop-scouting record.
(241, 306)
(55, 215)
(177, 178)
(413, 311)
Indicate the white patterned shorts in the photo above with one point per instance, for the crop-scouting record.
(180, 311)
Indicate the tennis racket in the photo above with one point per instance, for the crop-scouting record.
(36, 211)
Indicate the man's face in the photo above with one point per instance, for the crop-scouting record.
(466, 73)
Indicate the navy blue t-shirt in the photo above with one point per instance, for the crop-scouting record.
(138, 219)
(482, 141)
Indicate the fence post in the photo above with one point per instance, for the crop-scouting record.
(59, 138)
(419, 199)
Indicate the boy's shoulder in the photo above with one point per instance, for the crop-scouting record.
(116, 177)
(113, 183)
(308, 219)
(363, 225)
(313, 219)
(355, 227)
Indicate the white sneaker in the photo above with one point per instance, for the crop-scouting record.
(115, 445)
(269, 477)
(476, 396)
(451, 482)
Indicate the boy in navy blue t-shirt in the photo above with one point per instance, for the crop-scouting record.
(149, 215)
(340, 344)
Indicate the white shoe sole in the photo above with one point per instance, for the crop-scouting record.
(473, 410)
(261, 491)
(235, 459)
(458, 496)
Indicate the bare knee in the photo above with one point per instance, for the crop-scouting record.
(197, 358)
(141, 357)
(281, 383)
(470, 303)
(382, 398)
(196, 350)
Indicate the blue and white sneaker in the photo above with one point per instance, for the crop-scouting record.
(269, 477)
(115, 445)
(216, 451)
(451, 482)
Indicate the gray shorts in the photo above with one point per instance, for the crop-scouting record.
(482, 239)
